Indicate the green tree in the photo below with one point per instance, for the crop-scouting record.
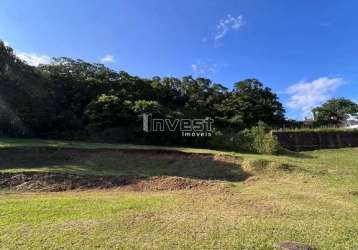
(23, 95)
(143, 106)
(251, 102)
(334, 111)
(109, 111)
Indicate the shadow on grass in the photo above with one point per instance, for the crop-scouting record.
(296, 154)
(139, 163)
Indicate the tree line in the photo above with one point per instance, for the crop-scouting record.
(74, 99)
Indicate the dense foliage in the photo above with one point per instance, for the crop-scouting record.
(257, 139)
(73, 99)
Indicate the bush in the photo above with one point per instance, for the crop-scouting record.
(258, 139)
(263, 141)
(237, 141)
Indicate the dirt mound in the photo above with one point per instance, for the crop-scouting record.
(56, 182)
(162, 183)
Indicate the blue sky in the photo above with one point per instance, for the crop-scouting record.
(306, 51)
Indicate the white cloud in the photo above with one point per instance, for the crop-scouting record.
(204, 69)
(227, 24)
(307, 95)
(33, 59)
(107, 59)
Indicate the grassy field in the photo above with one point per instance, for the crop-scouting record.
(310, 197)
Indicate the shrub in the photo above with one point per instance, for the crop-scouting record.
(258, 139)
(263, 141)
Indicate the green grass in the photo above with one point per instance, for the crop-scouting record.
(34, 143)
(315, 201)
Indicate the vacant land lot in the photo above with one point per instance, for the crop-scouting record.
(154, 197)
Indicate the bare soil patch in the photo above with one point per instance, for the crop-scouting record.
(57, 182)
